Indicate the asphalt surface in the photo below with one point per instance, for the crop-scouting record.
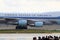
(47, 27)
(44, 27)
(25, 36)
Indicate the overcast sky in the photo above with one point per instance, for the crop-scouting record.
(29, 6)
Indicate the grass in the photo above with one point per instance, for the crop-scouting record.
(29, 31)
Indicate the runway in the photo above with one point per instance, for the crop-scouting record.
(5, 26)
(25, 36)
(45, 27)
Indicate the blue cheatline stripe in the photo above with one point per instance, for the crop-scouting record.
(33, 17)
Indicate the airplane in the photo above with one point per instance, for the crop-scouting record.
(36, 19)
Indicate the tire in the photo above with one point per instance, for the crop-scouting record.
(20, 27)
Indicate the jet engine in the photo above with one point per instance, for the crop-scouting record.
(38, 24)
(22, 24)
(58, 22)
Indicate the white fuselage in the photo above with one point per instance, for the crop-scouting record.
(48, 15)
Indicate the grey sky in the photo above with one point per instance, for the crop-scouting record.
(29, 6)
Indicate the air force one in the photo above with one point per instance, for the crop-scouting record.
(35, 19)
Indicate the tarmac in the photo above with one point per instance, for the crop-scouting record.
(44, 27)
(25, 36)
(47, 27)
(5, 26)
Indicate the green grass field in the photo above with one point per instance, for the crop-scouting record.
(29, 31)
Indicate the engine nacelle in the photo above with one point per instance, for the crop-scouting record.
(38, 24)
(22, 22)
(58, 22)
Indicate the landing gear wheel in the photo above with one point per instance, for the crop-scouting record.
(21, 27)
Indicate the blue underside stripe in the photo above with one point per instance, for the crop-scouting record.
(34, 17)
